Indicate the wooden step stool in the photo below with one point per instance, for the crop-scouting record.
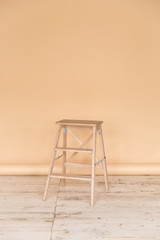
(67, 126)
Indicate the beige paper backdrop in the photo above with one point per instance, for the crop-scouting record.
(81, 59)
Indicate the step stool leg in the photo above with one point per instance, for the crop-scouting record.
(104, 158)
(64, 153)
(93, 166)
(52, 162)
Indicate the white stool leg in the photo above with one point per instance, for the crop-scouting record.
(52, 162)
(93, 165)
(104, 158)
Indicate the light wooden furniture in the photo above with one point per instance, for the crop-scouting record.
(67, 126)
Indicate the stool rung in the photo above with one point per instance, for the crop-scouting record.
(66, 176)
(80, 165)
(73, 149)
(70, 164)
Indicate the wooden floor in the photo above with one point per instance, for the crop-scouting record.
(130, 210)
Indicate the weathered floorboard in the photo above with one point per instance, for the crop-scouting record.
(130, 210)
(23, 214)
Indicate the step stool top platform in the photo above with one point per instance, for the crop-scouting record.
(87, 123)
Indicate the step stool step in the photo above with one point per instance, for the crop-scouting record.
(68, 176)
(73, 149)
(80, 165)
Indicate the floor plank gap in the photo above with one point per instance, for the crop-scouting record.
(54, 214)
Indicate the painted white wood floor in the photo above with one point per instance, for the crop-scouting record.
(130, 210)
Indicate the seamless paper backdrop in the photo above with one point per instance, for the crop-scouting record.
(82, 59)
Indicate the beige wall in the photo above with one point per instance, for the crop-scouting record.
(82, 59)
